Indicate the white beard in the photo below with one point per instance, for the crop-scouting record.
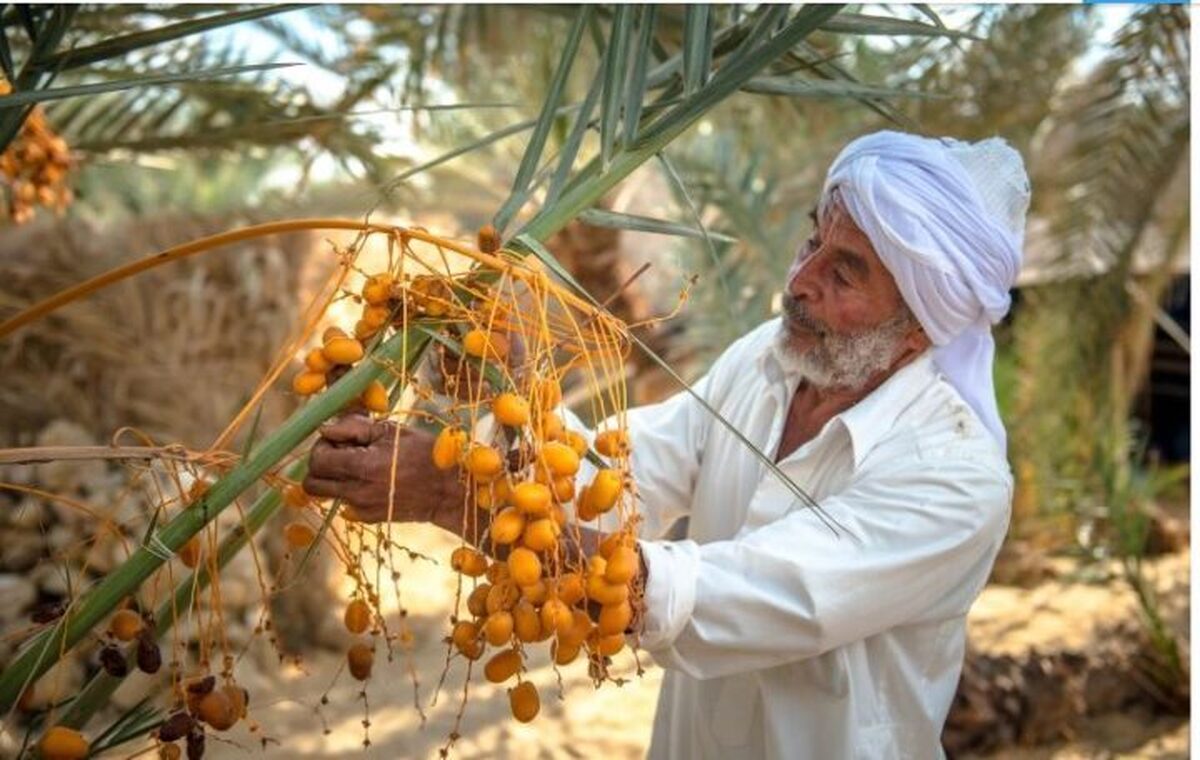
(845, 362)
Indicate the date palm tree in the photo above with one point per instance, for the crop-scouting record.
(1115, 222)
(652, 74)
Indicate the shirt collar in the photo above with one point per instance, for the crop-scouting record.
(875, 416)
(868, 421)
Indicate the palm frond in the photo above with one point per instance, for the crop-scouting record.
(541, 129)
(1127, 134)
(697, 44)
(119, 47)
(6, 57)
(615, 80)
(598, 217)
(129, 725)
(794, 87)
(857, 23)
(636, 86)
(583, 120)
(754, 54)
(18, 99)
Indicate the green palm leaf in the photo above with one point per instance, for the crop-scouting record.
(614, 81)
(697, 44)
(18, 99)
(856, 23)
(121, 46)
(541, 129)
(755, 54)
(636, 86)
(795, 87)
(599, 217)
(583, 120)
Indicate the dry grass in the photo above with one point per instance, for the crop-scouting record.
(173, 352)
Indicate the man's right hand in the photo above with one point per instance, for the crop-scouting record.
(385, 471)
(460, 379)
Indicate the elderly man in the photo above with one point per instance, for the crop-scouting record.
(782, 636)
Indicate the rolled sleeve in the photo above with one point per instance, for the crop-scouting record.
(672, 568)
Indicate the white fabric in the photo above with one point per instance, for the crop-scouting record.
(779, 639)
(947, 219)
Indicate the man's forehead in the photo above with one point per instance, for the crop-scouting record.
(833, 219)
(831, 204)
(836, 226)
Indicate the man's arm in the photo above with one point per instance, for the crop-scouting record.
(918, 547)
(386, 473)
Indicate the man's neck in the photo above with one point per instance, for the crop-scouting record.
(813, 406)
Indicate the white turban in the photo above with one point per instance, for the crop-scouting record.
(947, 219)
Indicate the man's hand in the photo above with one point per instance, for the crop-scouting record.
(385, 471)
(460, 379)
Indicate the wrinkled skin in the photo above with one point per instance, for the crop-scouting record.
(839, 287)
(838, 284)
(355, 460)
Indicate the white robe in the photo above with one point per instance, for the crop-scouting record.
(779, 638)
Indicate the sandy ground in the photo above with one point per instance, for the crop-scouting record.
(615, 722)
(576, 721)
(1116, 737)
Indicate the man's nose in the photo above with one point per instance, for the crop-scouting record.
(801, 283)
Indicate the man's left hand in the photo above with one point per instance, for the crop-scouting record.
(384, 471)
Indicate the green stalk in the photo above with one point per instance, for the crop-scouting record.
(46, 648)
(727, 80)
(98, 691)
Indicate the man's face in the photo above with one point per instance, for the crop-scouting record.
(844, 317)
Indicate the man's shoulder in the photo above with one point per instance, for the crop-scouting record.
(940, 428)
(939, 452)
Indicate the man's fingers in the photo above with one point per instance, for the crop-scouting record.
(386, 431)
(337, 462)
(350, 492)
(349, 429)
(327, 488)
(516, 351)
(352, 513)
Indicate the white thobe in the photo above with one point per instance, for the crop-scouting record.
(780, 638)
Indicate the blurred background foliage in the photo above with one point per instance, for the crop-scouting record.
(1104, 127)
(1091, 361)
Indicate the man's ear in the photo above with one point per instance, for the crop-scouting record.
(916, 339)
